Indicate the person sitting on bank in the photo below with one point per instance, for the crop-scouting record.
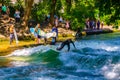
(66, 42)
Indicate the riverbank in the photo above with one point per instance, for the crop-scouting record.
(64, 34)
(6, 48)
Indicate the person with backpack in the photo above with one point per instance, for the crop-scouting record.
(17, 16)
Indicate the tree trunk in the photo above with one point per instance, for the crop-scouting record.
(28, 7)
(53, 4)
(68, 2)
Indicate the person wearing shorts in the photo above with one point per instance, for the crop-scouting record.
(37, 32)
(11, 34)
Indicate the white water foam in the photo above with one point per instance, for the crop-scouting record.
(111, 48)
(97, 45)
(42, 78)
(69, 59)
(30, 51)
(79, 45)
(111, 71)
(19, 63)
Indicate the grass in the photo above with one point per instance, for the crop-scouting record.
(6, 48)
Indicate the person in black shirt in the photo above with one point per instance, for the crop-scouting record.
(66, 42)
(78, 34)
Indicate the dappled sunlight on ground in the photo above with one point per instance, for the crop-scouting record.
(6, 48)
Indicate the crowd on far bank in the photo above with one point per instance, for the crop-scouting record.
(17, 18)
(5, 14)
(94, 24)
(17, 15)
(59, 21)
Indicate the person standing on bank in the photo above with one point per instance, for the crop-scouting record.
(98, 24)
(17, 16)
(102, 25)
(67, 25)
(54, 29)
(37, 33)
(11, 33)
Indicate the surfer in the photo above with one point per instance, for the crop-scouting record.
(66, 42)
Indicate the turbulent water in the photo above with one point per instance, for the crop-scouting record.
(97, 57)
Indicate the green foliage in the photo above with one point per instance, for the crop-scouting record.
(109, 7)
(75, 24)
(106, 18)
(80, 10)
(58, 7)
(39, 11)
(76, 11)
(12, 11)
(6, 2)
(116, 25)
(18, 4)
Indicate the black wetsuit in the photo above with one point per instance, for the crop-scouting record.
(66, 42)
(78, 34)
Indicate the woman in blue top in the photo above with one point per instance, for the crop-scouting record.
(37, 31)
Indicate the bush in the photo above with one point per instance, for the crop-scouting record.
(75, 25)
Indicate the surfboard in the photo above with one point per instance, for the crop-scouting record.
(51, 34)
(15, 35)
(43, 34)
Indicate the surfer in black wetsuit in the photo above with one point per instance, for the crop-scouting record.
(66, 42)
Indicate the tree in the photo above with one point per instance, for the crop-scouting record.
(40, 10)
(109, 7)
(6, 2)
(68, 2)
(27, 9)
(53, 5)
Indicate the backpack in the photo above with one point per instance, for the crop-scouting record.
(4, 8)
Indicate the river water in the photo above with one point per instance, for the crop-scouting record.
(97, 57)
